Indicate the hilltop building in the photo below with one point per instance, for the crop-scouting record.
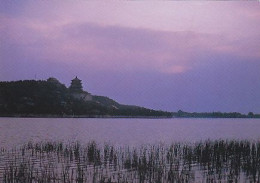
(77, 91)
(76, 85)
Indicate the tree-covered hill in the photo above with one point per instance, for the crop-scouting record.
(52, 98)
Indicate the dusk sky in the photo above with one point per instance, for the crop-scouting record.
(197, 56)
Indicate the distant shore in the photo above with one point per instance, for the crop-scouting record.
(110, 116)
(81, 116)
(52, 99)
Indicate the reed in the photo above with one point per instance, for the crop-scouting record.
(208, 161)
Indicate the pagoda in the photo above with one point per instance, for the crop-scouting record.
(76, 85)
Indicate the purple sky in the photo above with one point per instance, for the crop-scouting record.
(169, 55)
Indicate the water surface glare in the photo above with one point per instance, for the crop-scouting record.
(17, 131)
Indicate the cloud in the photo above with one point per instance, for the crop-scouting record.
(168, 37)
(118, 48)
(214, 17)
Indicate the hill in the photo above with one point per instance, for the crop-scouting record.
(50, 98)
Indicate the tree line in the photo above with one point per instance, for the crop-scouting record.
(181, 113)
(41, 97)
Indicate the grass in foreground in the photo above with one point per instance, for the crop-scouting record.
(209, 161)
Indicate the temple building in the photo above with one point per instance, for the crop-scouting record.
(76, 85)
(77, 91)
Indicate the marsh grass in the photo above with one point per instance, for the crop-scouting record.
(208, 161)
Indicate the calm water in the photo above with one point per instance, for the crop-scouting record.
(16, 131)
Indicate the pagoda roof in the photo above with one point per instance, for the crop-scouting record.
(76, 79)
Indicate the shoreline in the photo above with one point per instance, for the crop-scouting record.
(83, 116)
(109, 116)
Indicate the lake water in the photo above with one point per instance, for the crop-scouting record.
(16, 131)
